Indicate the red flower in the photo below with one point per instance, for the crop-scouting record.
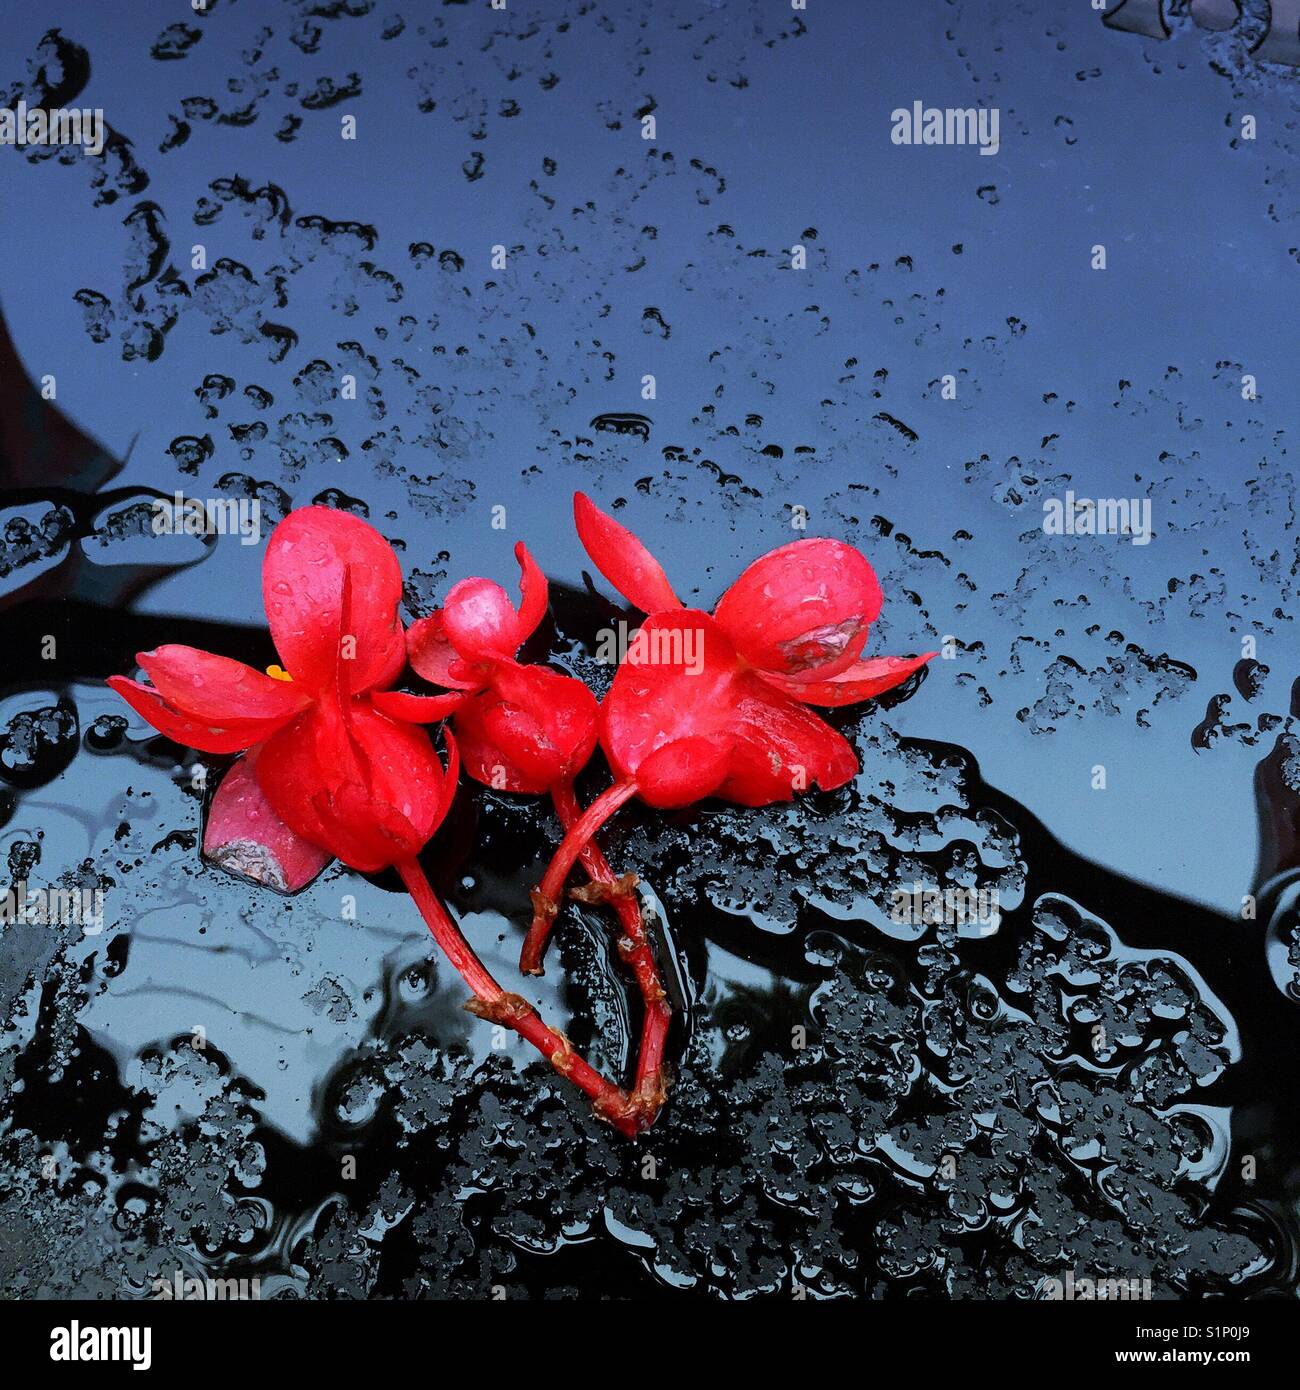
(520, 728)
(339, 773)
(524, 728)
(717, 705)
(332, 768)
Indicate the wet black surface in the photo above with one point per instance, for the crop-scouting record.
(1099, 1080)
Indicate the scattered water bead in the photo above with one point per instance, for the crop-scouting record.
(935, 1127)
(190, 452)
(107, 732)
(906, 824)
(39, 743)
(32, 535)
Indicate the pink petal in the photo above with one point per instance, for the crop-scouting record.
(862, 681)
(244, 836)
(480, 621)
(802, 609)
(622, 559)
(331, 585)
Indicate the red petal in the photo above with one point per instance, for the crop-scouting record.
(303, 588)
(678, 682)
(231, 736)
(534, 593)
(289, 772)
(533, 728)
(244, 836)
(485, 760)
(782, 749)
(622, 559)
(368, 835)
(433, 657)
(416, 709)
(561, 707)
(217, 689)
(862, 681)
(480, 621)
(683, 721)
(685, 770)
(405, 774)
(802, 609)
(365, 787)
(524, 742)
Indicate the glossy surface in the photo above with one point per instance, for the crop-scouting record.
(1095, 1075)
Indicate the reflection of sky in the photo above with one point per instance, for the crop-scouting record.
(1197, 236)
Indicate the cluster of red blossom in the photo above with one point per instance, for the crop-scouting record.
(337, 764)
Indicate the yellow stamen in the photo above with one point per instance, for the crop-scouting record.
(278, 673)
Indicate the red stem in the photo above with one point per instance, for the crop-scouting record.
(493, 1003)
(546, 896)
(651, 1084)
